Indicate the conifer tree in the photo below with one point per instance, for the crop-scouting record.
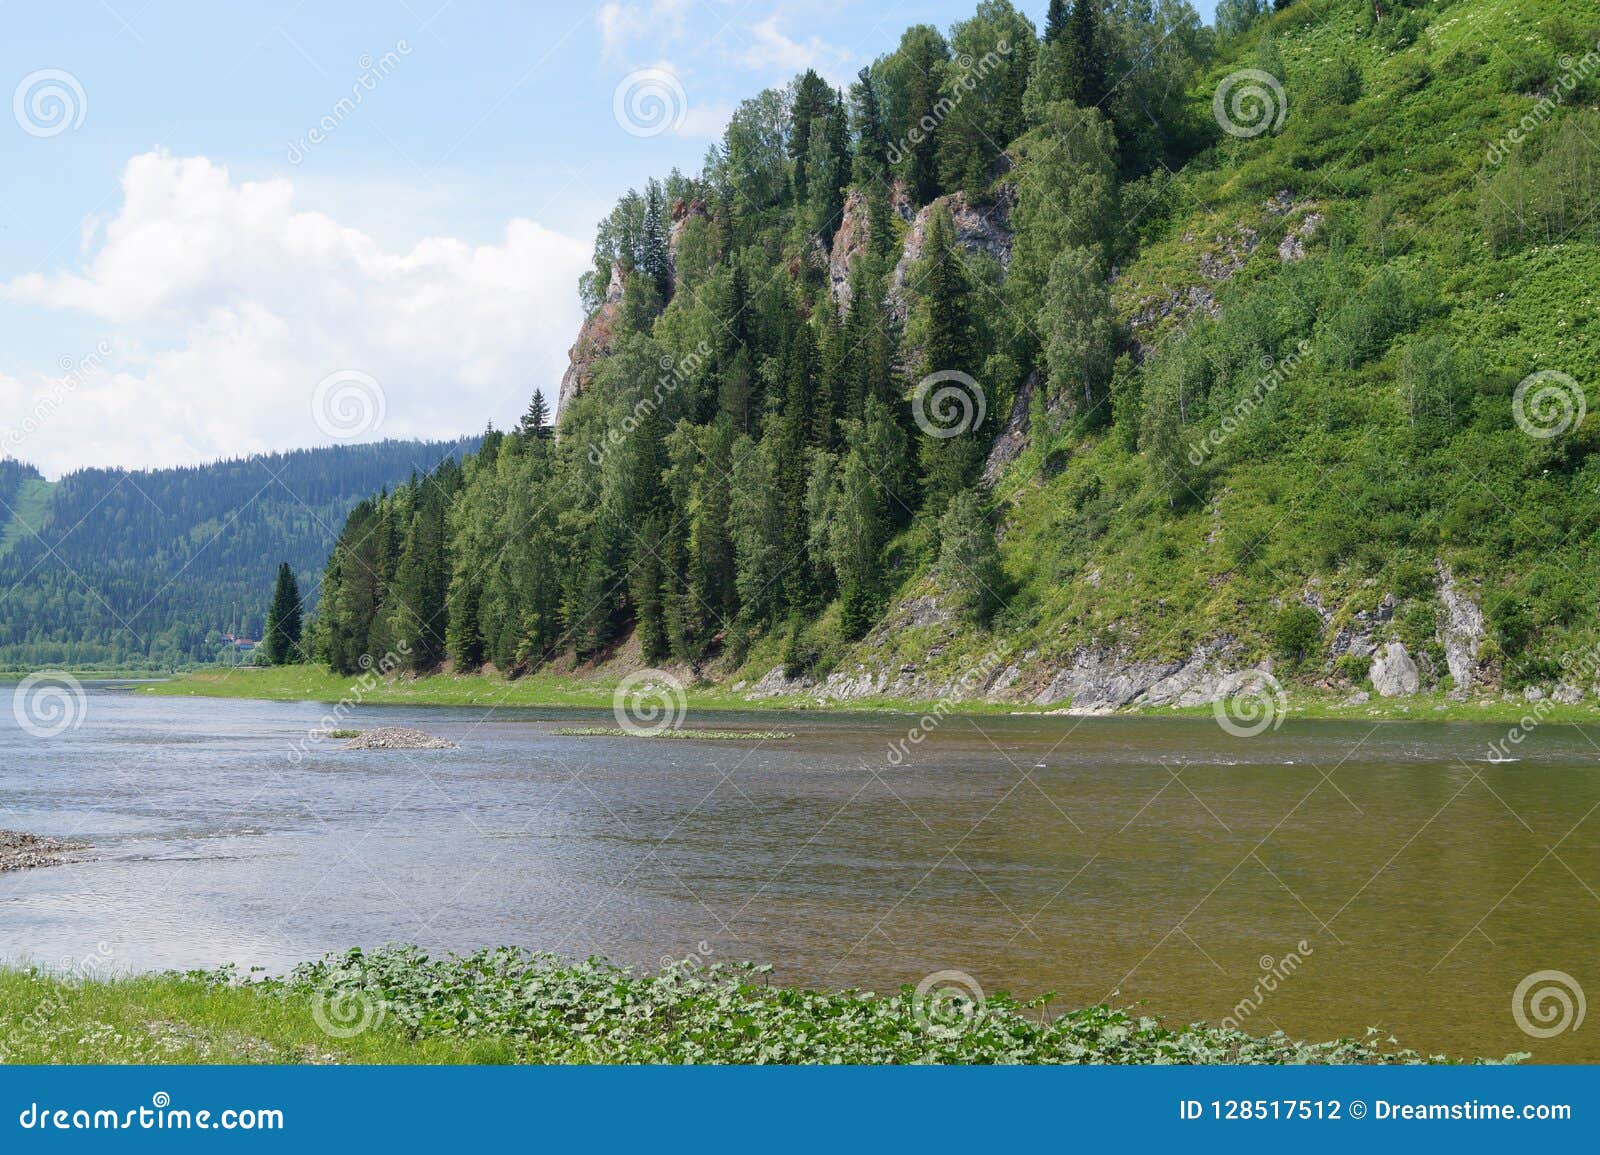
(949, 461)
(1085, 64)
(533, 421)
(282, 640)
(655, 259)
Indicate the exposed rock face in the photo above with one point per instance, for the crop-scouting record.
(593, 343)
(1357, 637)
(682, 213)
(852, 237)
(1293, 246)
(1460, 632)
(1227, 255)
(776, 684)
(979, 229)
(1393, 673)
(1092, 680)
(1099, 681)
(1010, 441)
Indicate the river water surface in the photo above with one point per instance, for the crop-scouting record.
(1395, 876)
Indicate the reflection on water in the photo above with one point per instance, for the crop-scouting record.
(1383, 875)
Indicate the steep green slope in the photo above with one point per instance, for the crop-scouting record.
(1368, 386)
(24, 508)
(1279, 346)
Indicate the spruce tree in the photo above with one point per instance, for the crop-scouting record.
(1086, 68)
(655, 258)
(1055, 21)
(949, 462)
(872, 138)
(811, 98)
(533, 421)
(282, 641)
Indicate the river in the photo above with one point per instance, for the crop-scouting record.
(1372, 874)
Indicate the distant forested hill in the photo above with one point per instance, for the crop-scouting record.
(109, 567)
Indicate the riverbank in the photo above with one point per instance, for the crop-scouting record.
(505, 1006)
(314, 683)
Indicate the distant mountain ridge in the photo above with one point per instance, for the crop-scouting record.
(149, 568)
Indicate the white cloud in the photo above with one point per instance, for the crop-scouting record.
(769, 48)
(659, 22)
(706, 120)
(224, 306)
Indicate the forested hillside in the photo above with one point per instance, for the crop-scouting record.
(1078, 365)
(149, 569)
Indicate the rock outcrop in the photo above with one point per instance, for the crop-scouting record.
(980, 228)
(852, 236)
(1460, 632)
(682, 213)
(1009, 442)
(1098, 681)
(593, 343)
(1393, 673)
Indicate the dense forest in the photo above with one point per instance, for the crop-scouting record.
(1052, 339)
(149, 569)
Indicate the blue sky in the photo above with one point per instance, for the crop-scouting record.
(183, 259)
